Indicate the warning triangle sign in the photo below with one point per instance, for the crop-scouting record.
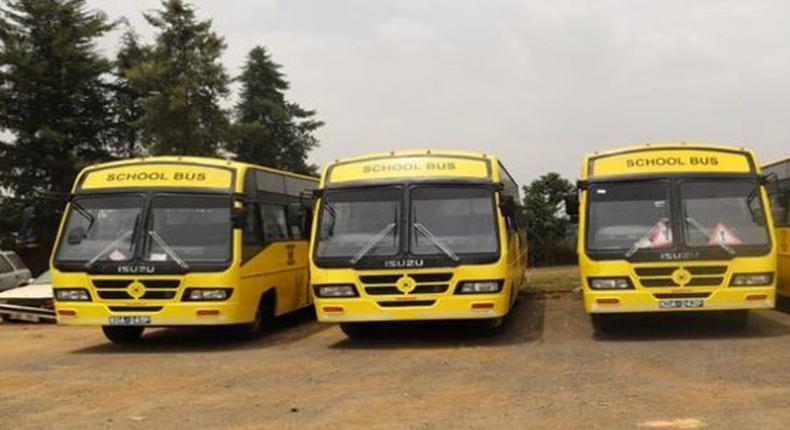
(661, 236)
(721, 234)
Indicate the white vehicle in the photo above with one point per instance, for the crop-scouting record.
(31, 303)
(13, 272)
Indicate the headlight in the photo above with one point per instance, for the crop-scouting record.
(478, 287)
(751, 279)
(72, 295)
(335, 290)
(207, 294)
(609, 283)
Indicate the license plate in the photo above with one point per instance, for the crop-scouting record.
(681, 303)
(21, 316)
(130, 320)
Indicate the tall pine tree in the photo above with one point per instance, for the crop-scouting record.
(55, 101)
(269, 130)
(183, 80)
(128, 97)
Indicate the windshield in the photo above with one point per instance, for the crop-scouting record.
(184, 228)
(358, 223)
(100, 228)
(453, 220)
(622, 215)
(723, 212)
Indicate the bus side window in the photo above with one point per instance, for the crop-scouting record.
(275, 226)
(298, 222)
(779, 202)
(252, 236)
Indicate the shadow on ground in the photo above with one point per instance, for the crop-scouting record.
(692, 325)
(523, 325)
(286, 329)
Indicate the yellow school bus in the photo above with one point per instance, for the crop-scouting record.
(675, 227)
(416, 235)
(779, 190)
(181, 241)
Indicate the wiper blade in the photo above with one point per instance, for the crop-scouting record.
(107, 248)
(170, 251)
(702, 229)
(436, 241)
(646, 242)
(373, 242)
(84, 212)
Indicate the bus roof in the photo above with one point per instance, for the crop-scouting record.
(166, 171)
(398, 166)
(669, 158)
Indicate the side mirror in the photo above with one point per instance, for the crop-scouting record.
(508, 206)
(572, 206)
(75, 236)
(238, 216)
(307, 198)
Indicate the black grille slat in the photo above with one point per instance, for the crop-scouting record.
(379, 279)
(655, 271)
(430, 289)
(658, 282)
(114, 295)
(431, 277)
(408, 304)
(707, 270)
(161, 283)
(682, 295)
(111, 283)
(160, 295)
(705, 282)
(380, 291)
(135, 308)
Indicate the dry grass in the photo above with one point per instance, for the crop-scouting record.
(552, 279)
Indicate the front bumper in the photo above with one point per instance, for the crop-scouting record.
(453, 307)
(644, 301)
(170, 314)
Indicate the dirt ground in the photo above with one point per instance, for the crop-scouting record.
(547, 370)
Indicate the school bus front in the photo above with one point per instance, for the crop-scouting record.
(416, 236)
(667, 228)
(168, 241)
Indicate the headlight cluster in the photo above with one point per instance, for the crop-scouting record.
(207, 294)
(752, 279)
(72, 295)
(478, 287)
(343, 290)
(620, 283)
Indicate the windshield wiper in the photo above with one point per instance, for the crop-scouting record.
(369, 245)
(84, 212)
(107, 248)
(702, 229)
(170, 251)
(436, 241)
(642, 243)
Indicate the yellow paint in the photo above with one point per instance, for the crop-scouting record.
(281, 267)
(151, 175)
(677, 160)
(643, 299)
(404, 167)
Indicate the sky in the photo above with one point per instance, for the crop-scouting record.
(538, 83)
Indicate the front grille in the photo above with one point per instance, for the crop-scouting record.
(662, 277)
(411, 304)
(155, 289)
(682, 295)
(135, 308)
(424, 283)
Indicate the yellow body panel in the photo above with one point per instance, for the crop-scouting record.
(611, 164)
(783, 261)
(281, 267)
(427, 165)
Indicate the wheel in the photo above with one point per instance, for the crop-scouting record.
(123, 334)
(490, 326)
(736, 320)
(359, 330)
(263, 317)
(603, 323)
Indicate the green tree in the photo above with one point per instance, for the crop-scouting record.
(128, 97)
(55, 102)
(547, 224)
(183, 80)
(269, 130)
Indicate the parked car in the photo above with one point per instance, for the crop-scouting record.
(13, 272)
(31, 303)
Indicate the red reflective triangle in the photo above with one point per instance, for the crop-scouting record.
(722, 234)
(662, 235)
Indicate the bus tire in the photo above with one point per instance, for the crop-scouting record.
(122, 334)
(358, 330)
(736, 319)
(264, 316)
(491, 326)
(603, 323)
